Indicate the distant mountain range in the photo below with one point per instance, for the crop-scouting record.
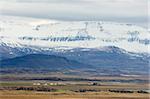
(102, 48)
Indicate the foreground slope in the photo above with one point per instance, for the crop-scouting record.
(40, 61)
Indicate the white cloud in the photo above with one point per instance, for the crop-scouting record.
(77, 9)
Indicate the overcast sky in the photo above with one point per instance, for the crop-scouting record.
(130, 11)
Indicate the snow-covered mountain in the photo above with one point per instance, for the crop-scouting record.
(44, 34)
(108, 48)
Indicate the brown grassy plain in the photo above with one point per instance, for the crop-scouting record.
(68, 90)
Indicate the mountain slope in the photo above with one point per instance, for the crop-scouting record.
(110, 62)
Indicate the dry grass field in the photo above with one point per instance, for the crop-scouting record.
(69, 95)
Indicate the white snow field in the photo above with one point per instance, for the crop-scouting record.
(45, 33)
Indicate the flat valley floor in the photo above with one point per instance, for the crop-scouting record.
(14, 87)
